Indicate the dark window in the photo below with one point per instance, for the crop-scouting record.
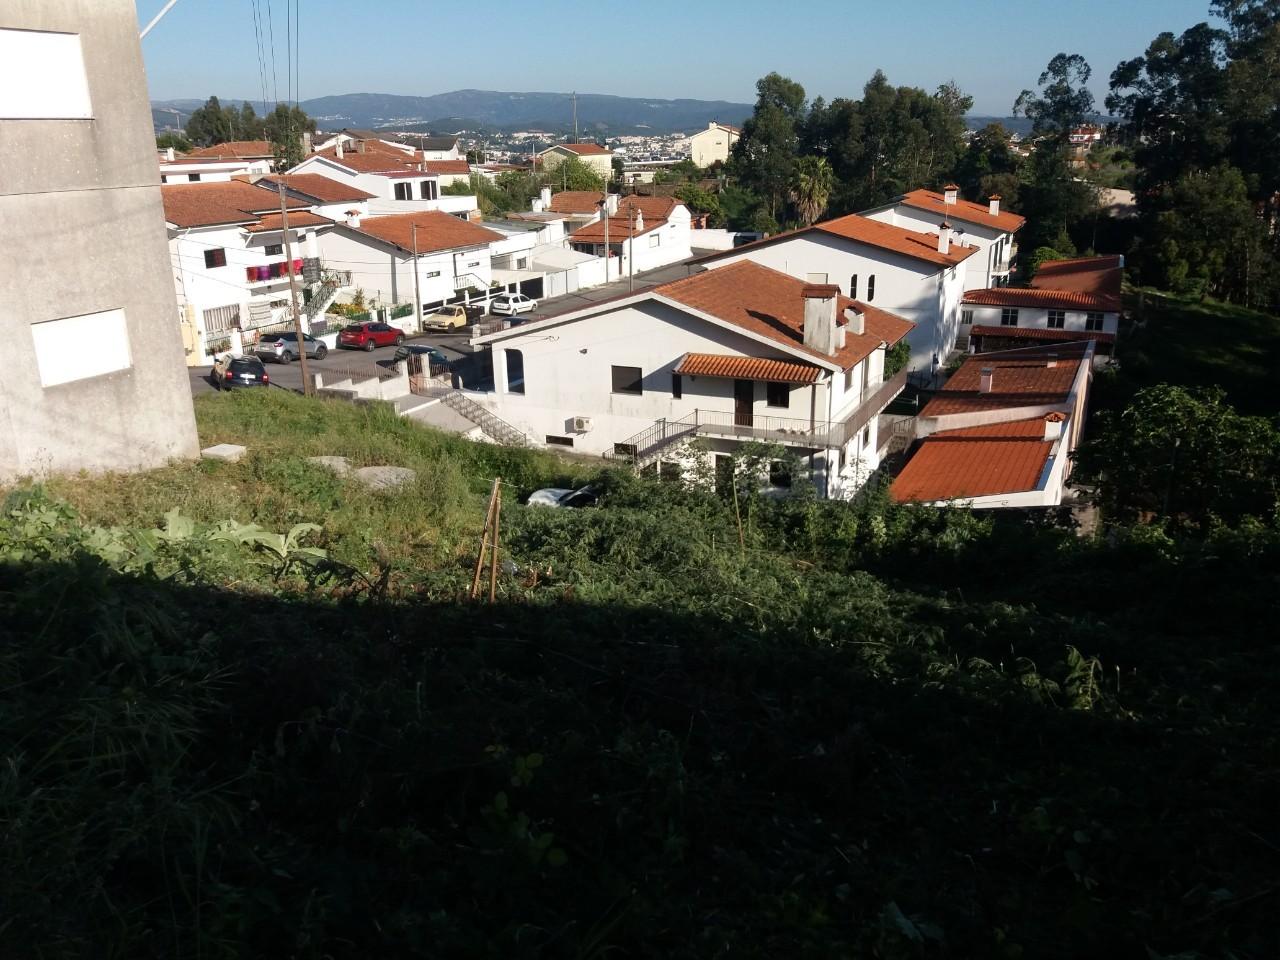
(628, 380)
(215, 258)
(966, 316)
(871, 288)
(1009, 317)
(625, 449)
(193, 178)
(274, 249)
(1057, 319)
(853, 287)
(515, 371)
(677, 387)
(404, 191)
(555, 441)
(1093, 321)
(777, 394)
(428, 189)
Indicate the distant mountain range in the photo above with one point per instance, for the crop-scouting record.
(483, 111)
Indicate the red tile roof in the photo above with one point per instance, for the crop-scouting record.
(975, 462)
(1086, 283)
(576, 201)
(583, 149)
(1036, 297)
(1020, 378)
(303, 218)
(979, 213)
(1040, 333)
(747, 368)
(436, 231)
(770, 304)
(447, 167)
(320, 187)
(237, 150)
(620, 228)
(211, 204)
(659, 208)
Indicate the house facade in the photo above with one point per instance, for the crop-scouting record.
(645, 233)
(398, 180)
(94, 378)
(919, 276)
(714, 144)
(726, 357)
(986, 226)
(599, 159)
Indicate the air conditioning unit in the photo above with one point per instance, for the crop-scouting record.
(581, 424)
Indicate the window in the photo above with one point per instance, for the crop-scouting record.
(193, 178)
(404, 191)
(677, 387)
(1093, 321)
(431, 274)
(848, 380)
(515, 371)
(866, 436)
(871, 288)
(1009, 317)
(866, 376)
(522, 263)
(554, 441)
(215, 258)
(427, 189)
(966, 317)
(628, 380)
(777, 394)
(655, 240)
(1057, 319)
(853, 287)
(274, 249)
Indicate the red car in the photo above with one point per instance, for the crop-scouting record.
(366, 336)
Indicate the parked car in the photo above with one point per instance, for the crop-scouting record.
(560, 497)
(455, 316)
(433, 355)
(512, 303)
(232, 371)
(370, 334)
(284, 348)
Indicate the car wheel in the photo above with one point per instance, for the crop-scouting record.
(399, 339)
(368, 346)
(286, 357)
(321, 352)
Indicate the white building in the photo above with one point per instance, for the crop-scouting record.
(984, 226)
(599, 159)
(175, 168)
(713, 144)
(727, 356)
(919, 276)
(645, 233)
(399, 180)
(452, 261)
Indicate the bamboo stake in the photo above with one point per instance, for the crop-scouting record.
(493, 559)
(484, 539)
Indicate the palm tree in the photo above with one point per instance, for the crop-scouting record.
(811, 187)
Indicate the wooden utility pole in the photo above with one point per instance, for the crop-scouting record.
(417, 296)
(490, 523)
(293, 293)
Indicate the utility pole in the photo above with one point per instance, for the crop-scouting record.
(631, 252)
(417, 296)
(575, 116)
(293, 294)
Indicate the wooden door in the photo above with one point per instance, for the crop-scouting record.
(744, 395)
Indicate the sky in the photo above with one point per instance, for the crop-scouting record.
(708, 50)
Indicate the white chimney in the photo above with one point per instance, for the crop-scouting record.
(168, 153)
(820, 302)
(611, 203)
(1052, 361)
(1053, 425)
(306, 142)
(545, 196)
(985, 379)
(353, 219)
(359, 146)
(337, 150)
(857, 322)
(950, 193)
(536, 205)
(993, 204)
(841, 336)
(944, 238)
(639, 221)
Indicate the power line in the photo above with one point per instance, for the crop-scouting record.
(262, 64)
(271, 33)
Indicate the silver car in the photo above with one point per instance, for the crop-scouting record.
(283, 347)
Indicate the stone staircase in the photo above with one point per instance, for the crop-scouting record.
(494, 426)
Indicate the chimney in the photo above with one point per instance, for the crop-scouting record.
(985, 379)
(611, 203)
(950, 193)
(306, 143)
(545, 196)
(1052, 361)
(337, 151)
(857, 322)
(944, 238)
(1053, 425)
(993, 204)
(353, 219)
(359, 146)
(820, 301)
(639, 221)
(168, 153)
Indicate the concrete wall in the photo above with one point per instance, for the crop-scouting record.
(84, 236)
(1038, 318)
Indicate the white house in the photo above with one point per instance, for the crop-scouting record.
(176, 168)
(437, 148)
(329, 198)
(230, 271)
(452, 259)
(920, 276)
(984, 226)
(1067, 300)
(645, 233)
(1001, 431)
(727, 356)
(599, 159)
(713, 144)
(399, 181)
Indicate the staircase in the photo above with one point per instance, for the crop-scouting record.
(495, 427)
(647, 445)
(320, 300)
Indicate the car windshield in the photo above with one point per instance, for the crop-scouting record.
(244, 363)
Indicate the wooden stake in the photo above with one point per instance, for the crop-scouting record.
(493, 559)
(484, 539)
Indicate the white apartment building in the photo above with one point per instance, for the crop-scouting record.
(643, 234)
(398, 180)
(713, 144)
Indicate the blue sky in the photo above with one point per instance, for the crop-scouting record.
(713, 49)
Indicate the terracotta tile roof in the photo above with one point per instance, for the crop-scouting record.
(210, 204)
(1037, 297)
(576, 201)
(975, 462)
(583, 149)
(770, 304)
(966, 210)
(320, 187)
(619, 229)
(1101, 276)
(447, 166)
(659, 208)
(372, 162)
(747, 368)
(303, 218)
(1020, 378)
(436, 231)
(1040, 333)
(237, 150)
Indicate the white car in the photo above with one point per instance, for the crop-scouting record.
(512, 303)
(560, 497)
